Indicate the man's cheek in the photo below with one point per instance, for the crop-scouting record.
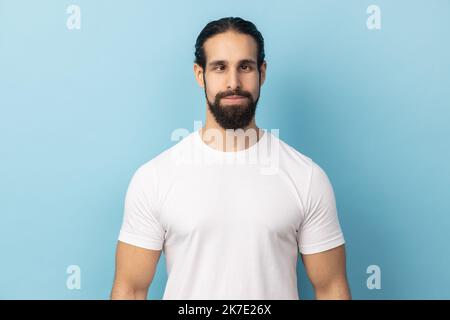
(211, 95)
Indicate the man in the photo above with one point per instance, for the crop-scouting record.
(230, 230)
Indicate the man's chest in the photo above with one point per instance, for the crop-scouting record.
(216, 203)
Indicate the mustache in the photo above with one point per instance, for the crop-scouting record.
(237, 92)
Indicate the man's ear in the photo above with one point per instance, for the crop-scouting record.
(263, 72)
(198, 73)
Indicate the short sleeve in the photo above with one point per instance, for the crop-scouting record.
(320, 229)
(140, 226)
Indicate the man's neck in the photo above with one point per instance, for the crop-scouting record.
(223, 140)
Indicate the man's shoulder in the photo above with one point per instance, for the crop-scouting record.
(302, 169)
(166, 159)
(292, 156)
(296, 161)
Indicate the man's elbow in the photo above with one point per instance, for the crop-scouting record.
(125, 292)
(334, 290)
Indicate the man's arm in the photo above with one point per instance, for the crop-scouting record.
(135, 268)
(327, 273)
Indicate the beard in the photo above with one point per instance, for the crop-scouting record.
(233, 116)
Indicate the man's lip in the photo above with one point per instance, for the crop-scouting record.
(235, 97)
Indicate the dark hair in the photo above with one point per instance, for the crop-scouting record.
(228, 24)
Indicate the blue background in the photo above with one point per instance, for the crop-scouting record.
(82, 109)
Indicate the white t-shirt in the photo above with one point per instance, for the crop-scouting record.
(230, 226)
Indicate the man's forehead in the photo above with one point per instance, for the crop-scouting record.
(231, 47)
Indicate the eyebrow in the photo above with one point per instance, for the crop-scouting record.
(218, 62)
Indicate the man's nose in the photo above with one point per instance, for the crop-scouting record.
(234, 81)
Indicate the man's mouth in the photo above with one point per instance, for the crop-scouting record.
(234, 98)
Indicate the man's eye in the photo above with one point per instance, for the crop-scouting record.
(219, 68)
(245, 67)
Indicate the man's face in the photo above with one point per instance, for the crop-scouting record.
(231, 78)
